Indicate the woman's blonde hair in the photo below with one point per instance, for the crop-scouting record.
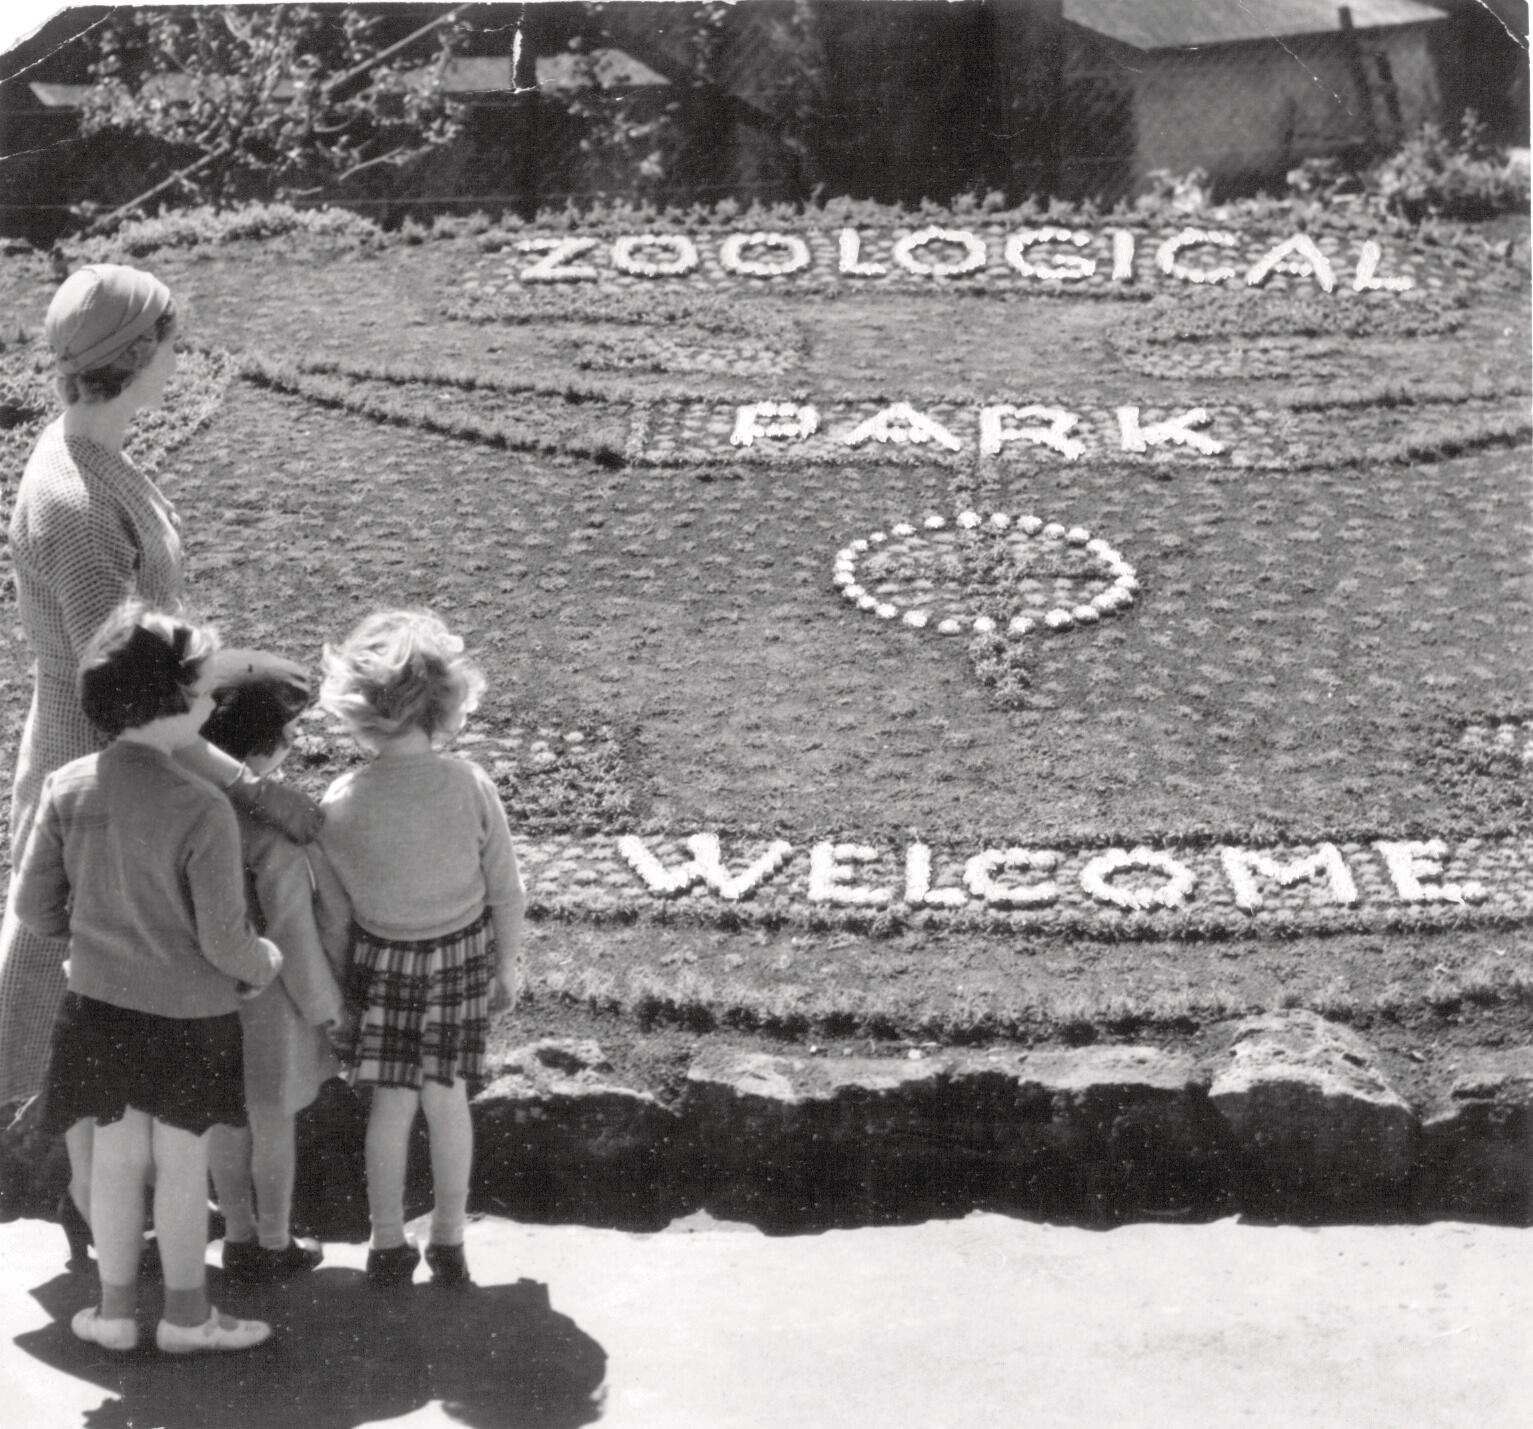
(400, 670)
(102, 384)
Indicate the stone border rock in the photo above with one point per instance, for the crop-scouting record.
(1295, 1119)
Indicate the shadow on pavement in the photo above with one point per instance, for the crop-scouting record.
(342, 1355)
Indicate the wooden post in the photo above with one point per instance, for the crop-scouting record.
(1359, 70)
(525, 113)
(1028, 39)
(1051, 94)
(1386, 72)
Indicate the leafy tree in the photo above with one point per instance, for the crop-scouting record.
(273, 102)
(688, 135)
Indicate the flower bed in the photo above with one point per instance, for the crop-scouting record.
(1111, 258)
(1173, 889)
(945, 637)
(29, 400)
(1277, 435)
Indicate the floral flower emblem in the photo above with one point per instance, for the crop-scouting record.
(979, 573)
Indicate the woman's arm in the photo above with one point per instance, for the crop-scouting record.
(42, 882)
(86, 557)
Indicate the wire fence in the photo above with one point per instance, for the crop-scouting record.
(904, 103)
(792, 99)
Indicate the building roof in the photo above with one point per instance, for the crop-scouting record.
(1168, 24)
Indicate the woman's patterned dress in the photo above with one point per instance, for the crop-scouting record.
(88, 530)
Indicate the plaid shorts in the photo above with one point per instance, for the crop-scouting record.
(424, 1007)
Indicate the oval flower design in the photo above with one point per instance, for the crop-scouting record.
(981, 572)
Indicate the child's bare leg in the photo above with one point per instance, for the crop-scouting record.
(387, 1151)
(120, 1161)
(452, 1158)
(78, 1141)
(181, 1221)
(229, 1159)
(273, 1164)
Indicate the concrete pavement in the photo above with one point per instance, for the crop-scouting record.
(974, 1322)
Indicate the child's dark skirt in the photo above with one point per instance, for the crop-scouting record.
(188, 1072)
(424, 1007)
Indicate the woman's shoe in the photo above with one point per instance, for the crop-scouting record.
(217, 1332)
(393, 1266)
(76, 1230)
(117, 1335)
(449, 1268)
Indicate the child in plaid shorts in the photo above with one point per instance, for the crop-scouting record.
(419, 840)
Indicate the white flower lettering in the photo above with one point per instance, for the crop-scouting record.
(1242, 865)
(1177, 431)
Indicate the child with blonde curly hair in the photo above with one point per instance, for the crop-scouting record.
(419, 840)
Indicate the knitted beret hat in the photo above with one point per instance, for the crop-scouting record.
(256, 696)
(289, 681)
(99, 312)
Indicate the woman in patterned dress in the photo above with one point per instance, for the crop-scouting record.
(89, 529)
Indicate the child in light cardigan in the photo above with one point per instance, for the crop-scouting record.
(419, 839)
(287, 1049)
(138, 862)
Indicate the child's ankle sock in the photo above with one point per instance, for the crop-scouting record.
(118, 1302)
(387, 1235)
(186, 1307)
(274, 1234)
(239, 1223)
(447, 1223)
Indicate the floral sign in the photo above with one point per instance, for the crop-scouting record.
(1042, 258)
(847, 429)
(1031, 427)
(1164, 889)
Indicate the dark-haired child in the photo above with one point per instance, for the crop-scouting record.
(137, 861)
(257, 702)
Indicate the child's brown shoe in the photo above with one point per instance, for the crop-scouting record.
(393, 1266)
(256, 1265)
(449, 1268)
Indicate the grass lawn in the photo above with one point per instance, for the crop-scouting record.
(1324, 662)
